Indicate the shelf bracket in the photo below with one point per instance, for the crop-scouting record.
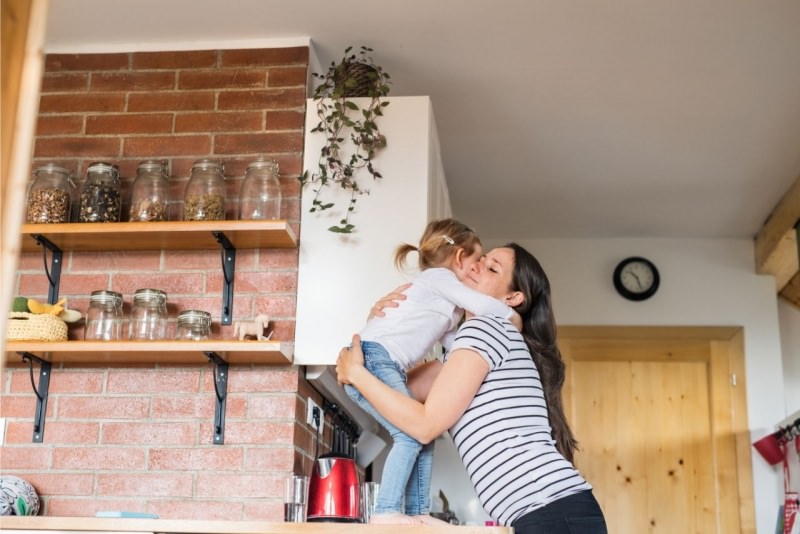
(54, 272)
(221, 392)
(228, 269)
(41, 392)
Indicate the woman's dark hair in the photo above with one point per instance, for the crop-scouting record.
(539, 332)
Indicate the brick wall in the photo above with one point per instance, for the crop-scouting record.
(139, 439)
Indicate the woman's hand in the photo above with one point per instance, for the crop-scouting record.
(349, 361)
(389, 301)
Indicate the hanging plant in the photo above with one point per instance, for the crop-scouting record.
(352, 137)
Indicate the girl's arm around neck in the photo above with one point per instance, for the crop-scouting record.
(450, 394)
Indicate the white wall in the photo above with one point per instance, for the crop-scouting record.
(789, 317)
(703, 282)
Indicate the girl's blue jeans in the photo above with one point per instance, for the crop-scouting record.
(407, 470)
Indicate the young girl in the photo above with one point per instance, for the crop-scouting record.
(393, 344)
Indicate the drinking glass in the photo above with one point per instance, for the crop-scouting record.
(295, 502)
(369, 492)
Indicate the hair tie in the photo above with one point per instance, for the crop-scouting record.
(448, 239)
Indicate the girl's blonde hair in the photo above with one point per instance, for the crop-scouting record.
(440, 240)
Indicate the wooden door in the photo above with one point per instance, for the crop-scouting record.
(661, 427)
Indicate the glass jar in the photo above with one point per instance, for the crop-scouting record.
(148, 319)
(260, 195)
(204, 198)
(104, 319)
(101, 198)
(49, 195)
(194, 325)
(150, 195)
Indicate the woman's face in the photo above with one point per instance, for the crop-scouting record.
(492, 275)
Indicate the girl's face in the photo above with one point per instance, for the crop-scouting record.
(463, 264)
(492, 275)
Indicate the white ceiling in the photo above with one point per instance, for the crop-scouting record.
(557, 118)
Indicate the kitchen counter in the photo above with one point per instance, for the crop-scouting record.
(86, 525)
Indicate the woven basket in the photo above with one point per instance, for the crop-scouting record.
(357, 79)
(23, 326)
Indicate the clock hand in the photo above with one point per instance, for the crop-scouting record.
(638, 282)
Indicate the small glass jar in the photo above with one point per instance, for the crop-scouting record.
(194, 325)
(104, 319)
(204, 198)
(101, 198)
(49, 195)
(260, 195)
(150, 195)
(148, 319)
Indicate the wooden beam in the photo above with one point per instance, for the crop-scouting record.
(776, 247)
(791, 291)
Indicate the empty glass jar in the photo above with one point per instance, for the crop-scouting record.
(260, 195)
(194, 325)
(150, 195)
(148, 319)
(104, 320)
(204, 198)
(49, 195)
(101, 198)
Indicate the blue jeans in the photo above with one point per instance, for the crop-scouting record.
(576, 514)
(407, 471)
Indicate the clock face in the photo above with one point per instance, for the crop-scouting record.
(636, 278)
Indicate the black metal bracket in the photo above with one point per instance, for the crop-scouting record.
(221, 392)
(41, 393)
(228, 269)
(54, 271)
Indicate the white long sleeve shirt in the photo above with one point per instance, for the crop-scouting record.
(434, 305)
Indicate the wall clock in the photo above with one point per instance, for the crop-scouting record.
(636, 278)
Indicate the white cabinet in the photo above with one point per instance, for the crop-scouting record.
(340, 276)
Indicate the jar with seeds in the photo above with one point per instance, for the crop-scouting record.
(204, 197)
(101, 198)
(49, 195)
(150, 194)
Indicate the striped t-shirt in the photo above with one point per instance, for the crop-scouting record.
(504, 438)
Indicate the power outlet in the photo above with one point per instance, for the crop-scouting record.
(313, 413)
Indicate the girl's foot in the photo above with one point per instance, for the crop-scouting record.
(394, 519)
(432, 521)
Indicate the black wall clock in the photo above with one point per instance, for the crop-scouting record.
(636, 278)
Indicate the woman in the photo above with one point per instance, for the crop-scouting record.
(499, 394)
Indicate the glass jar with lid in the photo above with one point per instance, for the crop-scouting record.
(150, 194)
(194, 325)
(260, 195)
(101, 198)
(105, 319)
(204, 198)
(148, 320)
(49, 195)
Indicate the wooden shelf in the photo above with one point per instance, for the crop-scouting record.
(178, 235)
(149, 352)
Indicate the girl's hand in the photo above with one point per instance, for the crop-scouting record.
(389, 301)
(349, 361)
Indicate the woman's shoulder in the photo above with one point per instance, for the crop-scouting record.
(489, 324)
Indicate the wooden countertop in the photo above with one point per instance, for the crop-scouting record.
(69, 525)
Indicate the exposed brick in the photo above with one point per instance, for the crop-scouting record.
(197, 459)
(259, 379)
(238, 486)
(61, 483)
(99, 458)
(247, 433)
(72, 103)
(171, 101)
(265, 56)
(128, 123)
(132, 81)
(205, 509)
(59, 124)
(103, 408)
(172, 282)
(160, 146)
(283, 330)
(285, 120)
(278, 282)
(21, 406)
(25, 457)
(172, 407)
(219, 122)
(261, 510)
(287, 76)
(221, 79)
(272, 407)
(142, 382)
(277, 306)
(264, 143)
(54, 432)
(77, 381)
(174, 60)
(118, 261)
(56, 62)
(78, 507)
(95, 147)
(59, 82)
(269, 459)
(265, 99)
(151, 484)
(278, 259)
(149, 434)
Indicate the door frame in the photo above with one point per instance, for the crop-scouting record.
(728, 398)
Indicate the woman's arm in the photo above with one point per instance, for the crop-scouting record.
(450, 394)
